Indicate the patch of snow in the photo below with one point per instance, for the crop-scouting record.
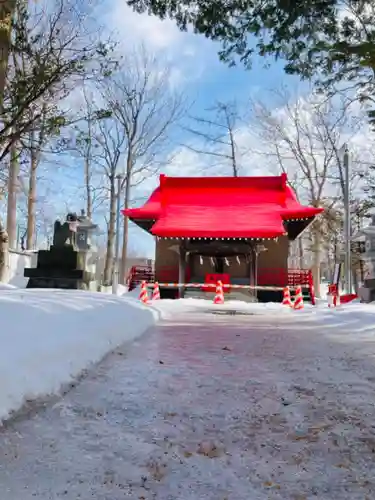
(121, 289)
(169, 306)
(352, 318)
(48, 337)
(323, 290)
(135, 292)
(6, 286)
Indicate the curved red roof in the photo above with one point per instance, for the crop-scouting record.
(150, 210)
(222, 207)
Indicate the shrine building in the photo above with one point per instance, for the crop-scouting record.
(236, 229)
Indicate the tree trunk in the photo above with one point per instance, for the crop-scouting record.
(316, 250)
(88, 189)
(108, 266)
(301, 260)
(3, 253)
(31, 202)
(12, 198)
(125, 234)
(7, 9)
(233, 153)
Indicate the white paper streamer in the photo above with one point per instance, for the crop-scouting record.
(238, 260)
(212, 261)
(201, 260)
(226, 261)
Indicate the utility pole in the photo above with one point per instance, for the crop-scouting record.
(347, 228)
(116, 266)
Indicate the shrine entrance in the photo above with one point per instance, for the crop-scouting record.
(230, 261)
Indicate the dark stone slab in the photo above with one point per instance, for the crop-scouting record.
(62, 258)
(50, 272)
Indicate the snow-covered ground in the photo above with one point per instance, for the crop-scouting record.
(48, 337)
(6, 286)
(235, 402)
(353, 317)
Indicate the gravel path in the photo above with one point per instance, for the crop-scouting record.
(207, 407)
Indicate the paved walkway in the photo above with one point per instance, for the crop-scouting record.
(206, 407)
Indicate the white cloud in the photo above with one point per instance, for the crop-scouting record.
(133, 27)
(189, 55)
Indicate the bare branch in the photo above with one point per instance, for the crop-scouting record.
(218, 135)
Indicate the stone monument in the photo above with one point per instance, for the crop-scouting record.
(367, 291)
(69, 262)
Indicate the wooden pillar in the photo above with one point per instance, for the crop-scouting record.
(250, 273)
(181, 269)
(253, 269)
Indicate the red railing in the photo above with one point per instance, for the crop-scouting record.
(288, 277)
(137, 274)
(284, 277)
(266, 277)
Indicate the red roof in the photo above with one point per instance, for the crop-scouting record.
(222, 207)
(151, 210)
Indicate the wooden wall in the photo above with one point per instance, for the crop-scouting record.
(167, 259)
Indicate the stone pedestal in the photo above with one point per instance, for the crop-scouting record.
(58, 267)
(87, 261)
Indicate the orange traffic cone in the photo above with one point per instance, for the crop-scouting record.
(156, 292)
(143, 296)
(298, 301)
(287, 301)
(219, 296)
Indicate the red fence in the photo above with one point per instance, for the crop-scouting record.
(266, 277)
(284, 277)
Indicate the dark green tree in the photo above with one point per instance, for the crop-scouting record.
(329, 41)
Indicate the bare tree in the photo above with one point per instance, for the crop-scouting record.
(37, 137)
(7, 9)
(83, 143)
(54, 46)
(145, 107)
(217, 135)
(13, 189)
(111, 139)
(87, 152)
(304, 138)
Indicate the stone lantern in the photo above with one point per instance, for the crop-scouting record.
(367, 292)
(86, 233)
(70, 262)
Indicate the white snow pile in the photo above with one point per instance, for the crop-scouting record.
(353, 318)
(121, 290)
(48, 337)
(6, 286)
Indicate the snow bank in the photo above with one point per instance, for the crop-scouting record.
(351, 319)
(121, 289)
(49, 336)
(6, 286)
